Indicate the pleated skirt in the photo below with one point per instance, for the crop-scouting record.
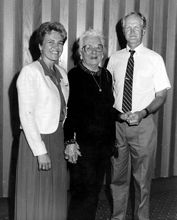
(41, 195)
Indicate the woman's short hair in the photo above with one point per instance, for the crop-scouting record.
(138, 14)
(90, 33)
(47, 27)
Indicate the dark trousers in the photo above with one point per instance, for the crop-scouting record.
(137, 145)
(86, 178)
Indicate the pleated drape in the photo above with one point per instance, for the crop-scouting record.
(19, 19)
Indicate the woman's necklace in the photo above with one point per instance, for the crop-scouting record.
(98, 73)
(99, 87)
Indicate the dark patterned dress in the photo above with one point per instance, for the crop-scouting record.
(90, 117)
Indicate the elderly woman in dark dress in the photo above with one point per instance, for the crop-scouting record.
(41, 182)
(89, 127)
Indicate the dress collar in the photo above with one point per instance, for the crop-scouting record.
(89, 71)
(53, 74)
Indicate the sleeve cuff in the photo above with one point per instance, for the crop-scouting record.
(39, 149)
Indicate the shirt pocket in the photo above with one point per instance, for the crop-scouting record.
(143, 81)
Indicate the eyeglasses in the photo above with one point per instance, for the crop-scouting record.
(89, 49)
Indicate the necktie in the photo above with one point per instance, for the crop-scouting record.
(127, 94)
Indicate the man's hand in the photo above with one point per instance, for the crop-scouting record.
(136, 117)
(44, 162)
(125, 116)
(133, 118)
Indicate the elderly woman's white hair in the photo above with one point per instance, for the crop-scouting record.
(90, 33)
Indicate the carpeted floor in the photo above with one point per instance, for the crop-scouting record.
(163, 202)
(163, 206)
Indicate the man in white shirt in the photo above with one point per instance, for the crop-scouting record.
(135, 130)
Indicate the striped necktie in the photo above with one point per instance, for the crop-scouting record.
(127, 94)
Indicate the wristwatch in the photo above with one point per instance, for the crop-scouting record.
(147, 112)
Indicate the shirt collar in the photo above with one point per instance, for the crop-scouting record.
(137, 49)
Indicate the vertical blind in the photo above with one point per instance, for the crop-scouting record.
(20, 18)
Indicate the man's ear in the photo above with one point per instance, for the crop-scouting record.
(144, 32)
(80, 55)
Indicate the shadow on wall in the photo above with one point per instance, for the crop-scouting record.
(33, 46)
(120, 37)
(15, 127)
(75, 56)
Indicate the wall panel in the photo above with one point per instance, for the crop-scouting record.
(169, 154)
(37, 6)
(46, 10)
(55, 10)
(129, 6)
(81, 17)
(1, 99)
(27, 29)
(8, 67)
(72, 29)
(64, 19)
(144, 8)
(89, 13)
(98, 14)
(18, 45)
(112, 21)
(19, 19)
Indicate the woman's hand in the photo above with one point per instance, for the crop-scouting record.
(72, 152)
(44, 162)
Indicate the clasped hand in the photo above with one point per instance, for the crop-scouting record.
(132, 118)
(72, 152)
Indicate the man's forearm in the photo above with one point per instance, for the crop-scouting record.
(156, 103)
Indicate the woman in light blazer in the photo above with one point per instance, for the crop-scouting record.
(41, 179)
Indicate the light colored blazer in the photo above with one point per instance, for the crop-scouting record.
(39, 104)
